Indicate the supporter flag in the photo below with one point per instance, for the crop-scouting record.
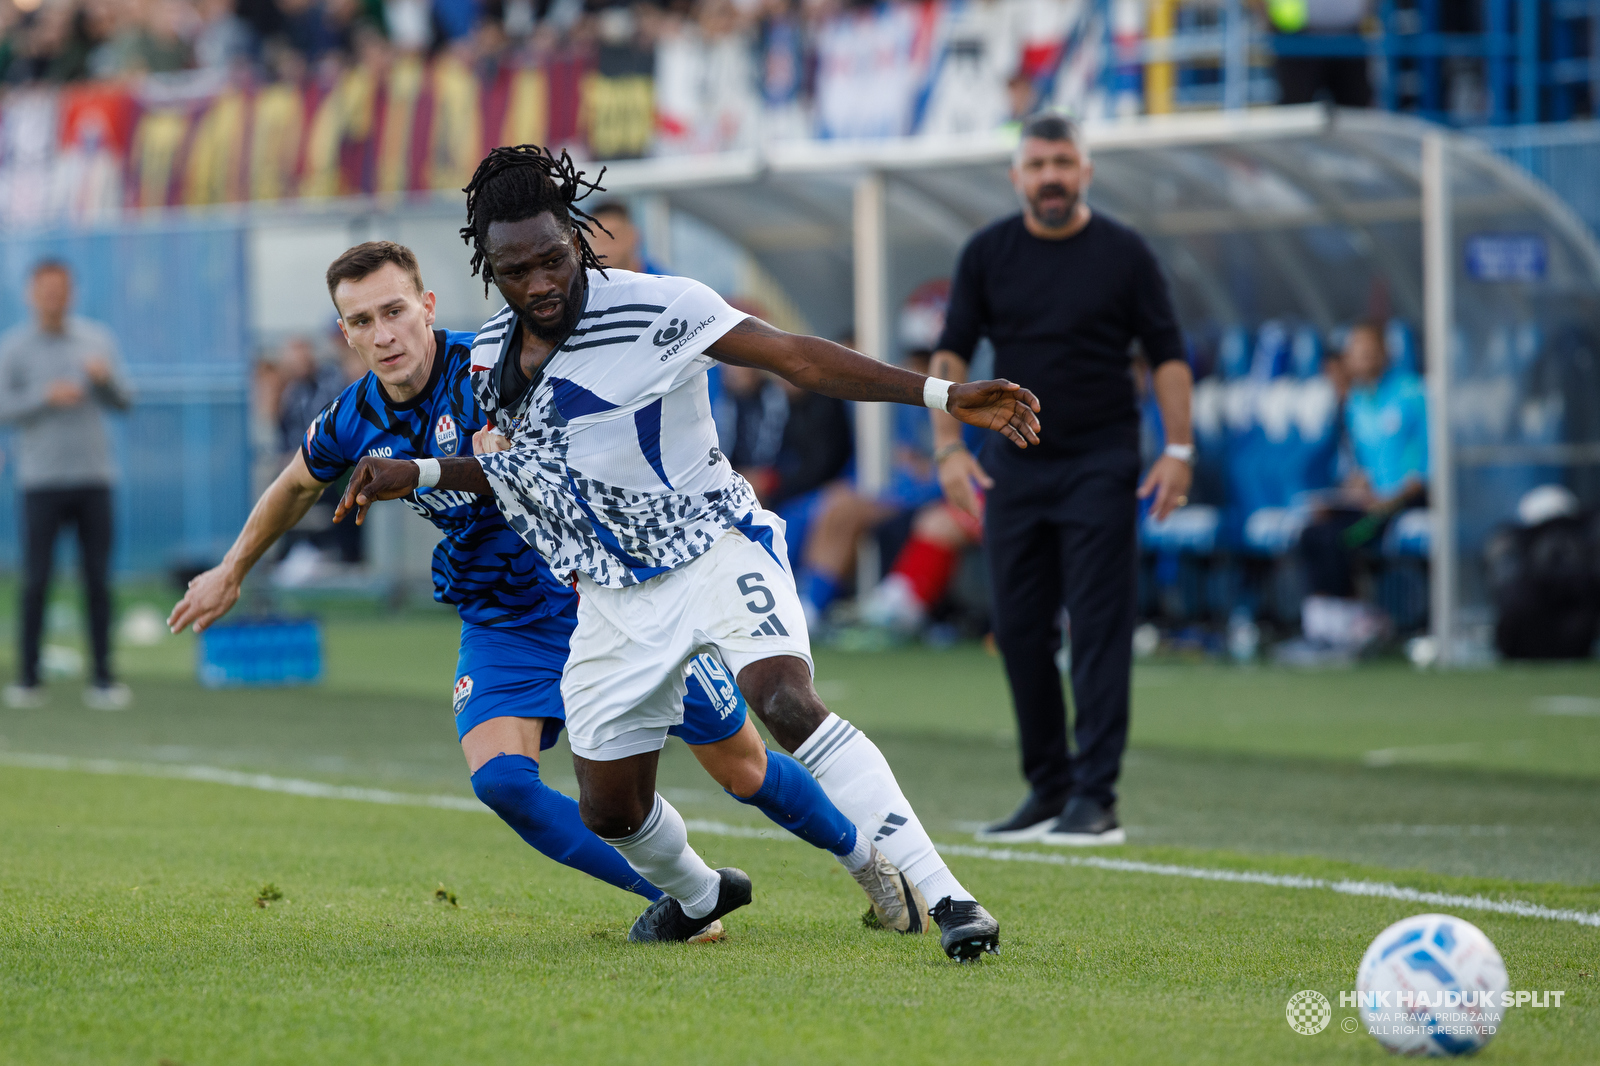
(617, 108)
(214, 171)
(455, 142)
(276, 132)
(402, 91)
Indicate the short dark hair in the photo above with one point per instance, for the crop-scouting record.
(612, 207)
(364, 259)
(50, 266)
(525, 181)
(1054, 126)
(1050, 126)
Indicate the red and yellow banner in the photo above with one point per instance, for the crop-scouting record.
(409, 127)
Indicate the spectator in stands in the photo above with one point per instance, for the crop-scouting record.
(58, 376)
(308, 386)
(617, 244)
(149, 38)
(224, 39)
(1302, 79)
(815, 452)
(1386, 423)
(922, 570)
(751, 413)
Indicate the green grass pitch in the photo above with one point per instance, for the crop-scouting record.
(130, 931)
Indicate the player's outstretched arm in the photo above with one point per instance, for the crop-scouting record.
(817, 365)
(212, 594)
(390, 479)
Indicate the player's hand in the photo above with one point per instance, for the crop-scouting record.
(488, 440)
(375, 479)
(1169, 480)
(64, 393)
(961, 477)
(98, 369)
(999, 405)
(210, 596)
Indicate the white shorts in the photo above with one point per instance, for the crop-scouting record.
(624, 682)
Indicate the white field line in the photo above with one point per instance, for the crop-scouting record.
(318, 790)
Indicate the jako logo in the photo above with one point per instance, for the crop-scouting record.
(381, 453)
(675, 329)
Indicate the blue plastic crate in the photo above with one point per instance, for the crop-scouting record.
(266, 652)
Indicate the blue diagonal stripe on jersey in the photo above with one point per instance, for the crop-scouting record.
(609, 539)
(575, 401)
(762, 535)
(647, 420)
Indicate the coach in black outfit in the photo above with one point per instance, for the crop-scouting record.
(1062, 292)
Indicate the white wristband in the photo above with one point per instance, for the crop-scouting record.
(936, 393)
(1184, 453)
(427, 473)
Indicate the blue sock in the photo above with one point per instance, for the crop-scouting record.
(819, 588)
(509, 785)
(792, 798)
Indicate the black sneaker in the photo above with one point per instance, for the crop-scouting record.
(1086, 823)
(664, 919)
(966, 929)
(1029, 822)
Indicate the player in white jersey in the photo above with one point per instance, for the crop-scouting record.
(598, 380)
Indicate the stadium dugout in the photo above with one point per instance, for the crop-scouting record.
(1278, 228)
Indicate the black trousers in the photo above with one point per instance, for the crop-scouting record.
(44, 512)
(1300, 78)
(1061, 532)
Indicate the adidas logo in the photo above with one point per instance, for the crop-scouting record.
(890, 824)
(770, 628)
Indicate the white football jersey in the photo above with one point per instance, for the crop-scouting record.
(614, 469)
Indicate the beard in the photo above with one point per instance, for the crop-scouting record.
(1054, 217)
(571, 311)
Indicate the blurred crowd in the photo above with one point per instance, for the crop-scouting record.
(828, 67)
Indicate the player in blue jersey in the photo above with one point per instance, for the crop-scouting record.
(517, 619)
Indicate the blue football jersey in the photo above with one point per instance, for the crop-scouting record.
(488, 572)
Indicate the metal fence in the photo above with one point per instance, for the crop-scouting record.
(1564, 155)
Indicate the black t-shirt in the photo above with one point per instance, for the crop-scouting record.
(817, 445)
(1062, 316)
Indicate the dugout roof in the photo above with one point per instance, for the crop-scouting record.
(1298, 213)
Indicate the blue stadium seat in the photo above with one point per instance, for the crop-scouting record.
(1410, 535)
(1190, 530)
(1401, 343)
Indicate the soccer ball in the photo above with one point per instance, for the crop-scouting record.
(1432, 985)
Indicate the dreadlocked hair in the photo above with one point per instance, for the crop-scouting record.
(525, 181)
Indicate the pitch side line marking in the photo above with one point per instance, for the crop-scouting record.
(318, 790)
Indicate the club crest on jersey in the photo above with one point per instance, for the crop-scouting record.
(674, 329)
(462, 693)
(444, 434)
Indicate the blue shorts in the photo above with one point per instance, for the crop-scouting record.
(515, 672)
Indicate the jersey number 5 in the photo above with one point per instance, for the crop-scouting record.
(750, 585)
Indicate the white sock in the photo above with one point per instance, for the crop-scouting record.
(860, 855)
(660, 853)
(857, 778)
